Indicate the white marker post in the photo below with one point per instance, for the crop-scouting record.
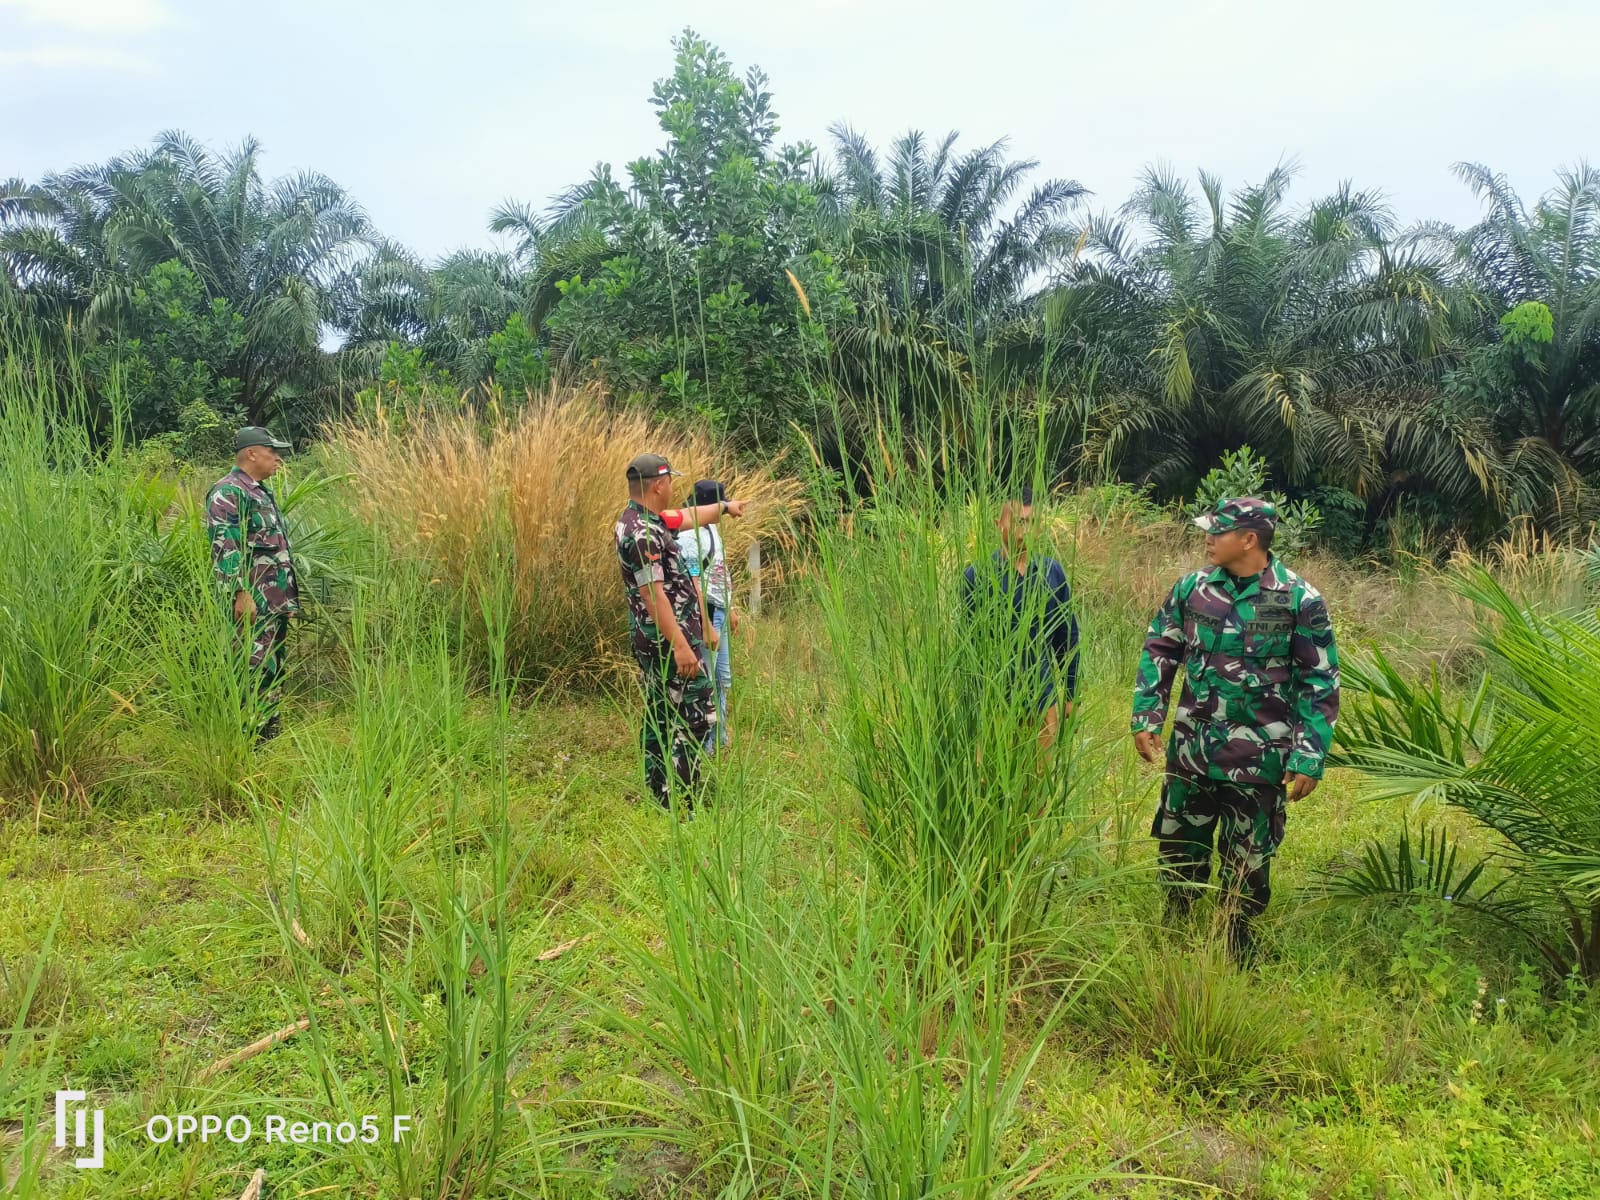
(753, 565)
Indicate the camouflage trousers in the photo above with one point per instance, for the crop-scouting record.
(679, 715)
(1251, 817)
(268, 639)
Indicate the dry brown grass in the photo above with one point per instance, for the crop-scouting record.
(1536, 569)
(1124, 563)
(538, 494)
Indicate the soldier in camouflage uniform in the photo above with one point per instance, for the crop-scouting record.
(253, 565)
(1255, 720)
(664, 619)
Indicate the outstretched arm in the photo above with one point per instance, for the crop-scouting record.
(701, 514)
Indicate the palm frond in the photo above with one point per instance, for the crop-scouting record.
(1432, 868)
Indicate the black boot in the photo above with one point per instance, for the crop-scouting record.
(1242, 940)
(1179, 902)
(1254, 889)
(1178, 906)
(270, 730)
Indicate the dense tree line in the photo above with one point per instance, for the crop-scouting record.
(1453, 374)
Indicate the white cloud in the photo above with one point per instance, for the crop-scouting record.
(93, 16)
(67, 58)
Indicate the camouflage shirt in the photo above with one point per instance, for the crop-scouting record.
(250, 544)
(1261, 691)
(648, 553)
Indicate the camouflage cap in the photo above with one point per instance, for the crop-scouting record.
(255, 435)
(649, 466)
(1243, 512)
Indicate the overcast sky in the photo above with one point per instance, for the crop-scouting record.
(432, 112)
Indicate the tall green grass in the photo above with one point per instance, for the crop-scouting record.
(65, 639)
(200, 682)
(927, 1062)
(1207, 1027)
(850, 995)
(27, 1061)
(723, 1026)
(798, 1044)
(966, 817)
(398, 878)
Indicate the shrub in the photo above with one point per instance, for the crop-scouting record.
(537, 495)
(1519, 758)
(1244, 473)
(197, 700)
(1204, 1023)
(965, 816)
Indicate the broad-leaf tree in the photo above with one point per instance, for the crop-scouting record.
(170, 352)
(703, 285)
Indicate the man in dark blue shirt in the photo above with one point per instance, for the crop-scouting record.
(1032, 595)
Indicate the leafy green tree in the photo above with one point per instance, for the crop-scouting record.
(169, 350)
(709, 288)
(521, 364)
(1242, 472)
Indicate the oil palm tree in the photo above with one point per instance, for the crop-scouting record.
(1214, 321)
(1533, 285)
(1520, 757)
(279, 252)
(944, 231)
(572, 240)
(388, 299)
(53, 246)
